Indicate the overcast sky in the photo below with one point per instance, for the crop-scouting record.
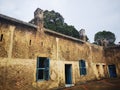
(91, 15)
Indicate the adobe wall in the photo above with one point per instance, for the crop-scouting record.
(4, 44)
(112, 56)
(22, 45)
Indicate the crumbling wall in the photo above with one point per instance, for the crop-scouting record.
(18, 65)
(97, 54)
(23, 40)
(23, 46)
(112, 56)
(5, 42)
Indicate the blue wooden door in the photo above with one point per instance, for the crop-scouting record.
(112, 70)
(68, 74)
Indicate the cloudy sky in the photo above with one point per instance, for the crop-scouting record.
(91, 15)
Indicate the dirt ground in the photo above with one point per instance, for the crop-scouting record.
(105, 84)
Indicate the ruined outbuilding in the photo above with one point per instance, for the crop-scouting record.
(35, 58)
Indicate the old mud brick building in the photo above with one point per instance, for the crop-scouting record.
(35, 58)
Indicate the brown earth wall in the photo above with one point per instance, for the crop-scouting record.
(22, 45)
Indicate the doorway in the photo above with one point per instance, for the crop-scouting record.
(112, 70)
(105, 71)
(68, 74)
(98, 71)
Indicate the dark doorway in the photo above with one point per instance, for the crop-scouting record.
(105, 70)
(112, 70)
(68, 73)
(98, 69)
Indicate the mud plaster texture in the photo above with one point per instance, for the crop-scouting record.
(21, 45)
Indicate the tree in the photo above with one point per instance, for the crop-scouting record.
(104, 37)
(54, 21)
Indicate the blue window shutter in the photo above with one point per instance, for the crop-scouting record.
(84, 71)
(47, 65)
(38, 62)
(82, 67)
(37, 68)
(81, 71)
(83, 63)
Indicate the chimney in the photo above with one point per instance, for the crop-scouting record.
(82, 34)
(38, 18)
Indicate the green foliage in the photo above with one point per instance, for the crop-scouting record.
(109, 36)
(55, 21)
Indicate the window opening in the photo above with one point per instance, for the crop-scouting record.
(42, 68)
(82, 66)
(1, 38)
(30, 42)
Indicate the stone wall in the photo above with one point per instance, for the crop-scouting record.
(21, 45)
(4, 44)
(112, 55)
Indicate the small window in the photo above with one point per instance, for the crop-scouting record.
(42, 44)
(42, 68)
(1, 38)
(82, 67)
(30, 42)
